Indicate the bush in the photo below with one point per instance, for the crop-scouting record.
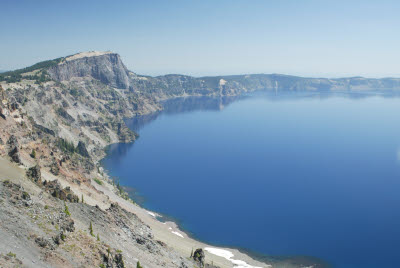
(99, 182)
(66, 210)
(91, 229)
(11, 255)
(33, 153)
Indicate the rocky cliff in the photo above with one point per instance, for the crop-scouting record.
(106, 67)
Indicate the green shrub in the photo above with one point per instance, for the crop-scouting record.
(11, 255)
(99, 182)
(91, 229)
(66, 210)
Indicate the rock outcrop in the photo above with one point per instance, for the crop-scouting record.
(34, 174)
(81, 149)
(104, 66)
(57, 191)
(13, 150)
(54, 168)
(199, 256)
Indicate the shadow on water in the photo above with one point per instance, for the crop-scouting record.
(209, 103)
(183, 105)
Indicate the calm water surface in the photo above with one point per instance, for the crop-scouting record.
(287, 175)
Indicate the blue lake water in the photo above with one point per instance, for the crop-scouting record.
(295, 174)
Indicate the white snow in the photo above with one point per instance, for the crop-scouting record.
(178, 234)
(151, 214)
(228, 255)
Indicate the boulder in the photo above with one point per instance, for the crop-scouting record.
(199, 256)
(2, 114)
(13, 151)
(34, 174)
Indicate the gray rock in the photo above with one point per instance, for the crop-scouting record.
(108, 68)
(199, 256)
(81, 149)
(13, 151)
(55, 189)
(44, 243)
(54, 168)
(34, 174)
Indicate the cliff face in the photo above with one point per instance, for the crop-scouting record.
(106, 67)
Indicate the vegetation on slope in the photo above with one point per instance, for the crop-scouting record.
(16, 76)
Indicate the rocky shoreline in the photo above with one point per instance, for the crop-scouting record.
(58, 207)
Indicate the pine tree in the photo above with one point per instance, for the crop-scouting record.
(138, 265)
(91, 229)
(82, 201)
(98, 237)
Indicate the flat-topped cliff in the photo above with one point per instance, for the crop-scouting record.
(106, 67)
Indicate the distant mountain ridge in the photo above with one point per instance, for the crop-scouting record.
(108, 68)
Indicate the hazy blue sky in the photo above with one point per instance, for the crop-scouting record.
(311, 38)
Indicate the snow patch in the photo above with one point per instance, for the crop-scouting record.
(178, 234)
(151, 214)
(228, 255)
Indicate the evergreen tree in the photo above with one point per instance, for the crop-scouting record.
(91, 229)
(66, 210)
(33, 153)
